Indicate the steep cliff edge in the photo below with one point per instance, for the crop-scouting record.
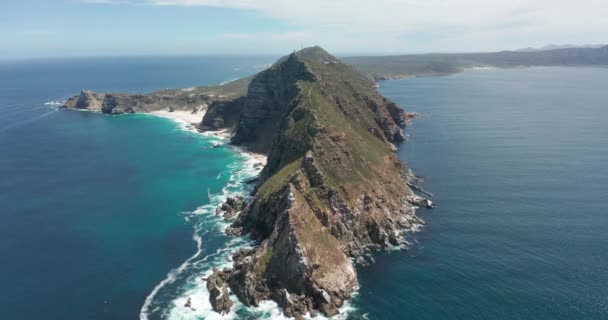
(332, 190)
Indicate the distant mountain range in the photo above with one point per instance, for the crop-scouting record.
(388, 67)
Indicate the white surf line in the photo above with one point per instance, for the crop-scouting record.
(170, 278)
(54, 103)
(268, 307)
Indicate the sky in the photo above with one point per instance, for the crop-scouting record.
(68, 28)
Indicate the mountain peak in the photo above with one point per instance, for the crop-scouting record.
(315, 53)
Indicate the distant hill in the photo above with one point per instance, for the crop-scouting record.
(560, 46)
(387, 67)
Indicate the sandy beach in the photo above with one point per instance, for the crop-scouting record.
(182, 116)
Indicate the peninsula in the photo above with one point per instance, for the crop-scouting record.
(332, 190)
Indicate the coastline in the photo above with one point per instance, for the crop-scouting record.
(194, 301)
(193, 119)
(189, 117)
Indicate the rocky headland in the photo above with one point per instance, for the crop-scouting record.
(331, 192)
(193, 100)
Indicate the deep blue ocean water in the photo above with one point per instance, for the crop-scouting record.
(98, 212)
(518, 162)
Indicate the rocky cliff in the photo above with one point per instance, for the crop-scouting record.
(333, 188)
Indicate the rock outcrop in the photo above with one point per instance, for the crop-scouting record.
(218, 292)
(231, 207)
(332, 190)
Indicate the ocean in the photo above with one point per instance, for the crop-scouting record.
(112, 217)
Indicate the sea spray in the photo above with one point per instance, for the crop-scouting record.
(54, 103)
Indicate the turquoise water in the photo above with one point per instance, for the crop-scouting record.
(517, 160)
(96, 209)
(111, 217)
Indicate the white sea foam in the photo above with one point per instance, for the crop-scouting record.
(219, 259)
(194, 288)
(54, 103)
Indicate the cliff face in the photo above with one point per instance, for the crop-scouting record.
(255, 118)
(332, 189)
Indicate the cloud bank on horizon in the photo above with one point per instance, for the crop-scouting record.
(364, 26)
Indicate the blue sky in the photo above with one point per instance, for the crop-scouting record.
(56, 28)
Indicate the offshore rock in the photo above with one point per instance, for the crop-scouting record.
(231, 207)
(218, 292)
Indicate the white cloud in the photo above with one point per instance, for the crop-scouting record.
(395, 24)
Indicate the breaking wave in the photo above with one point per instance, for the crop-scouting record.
(54, 103)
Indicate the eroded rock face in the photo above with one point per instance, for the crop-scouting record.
(222, 114)
(218, 292)
(89, 100)
(269, 97)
